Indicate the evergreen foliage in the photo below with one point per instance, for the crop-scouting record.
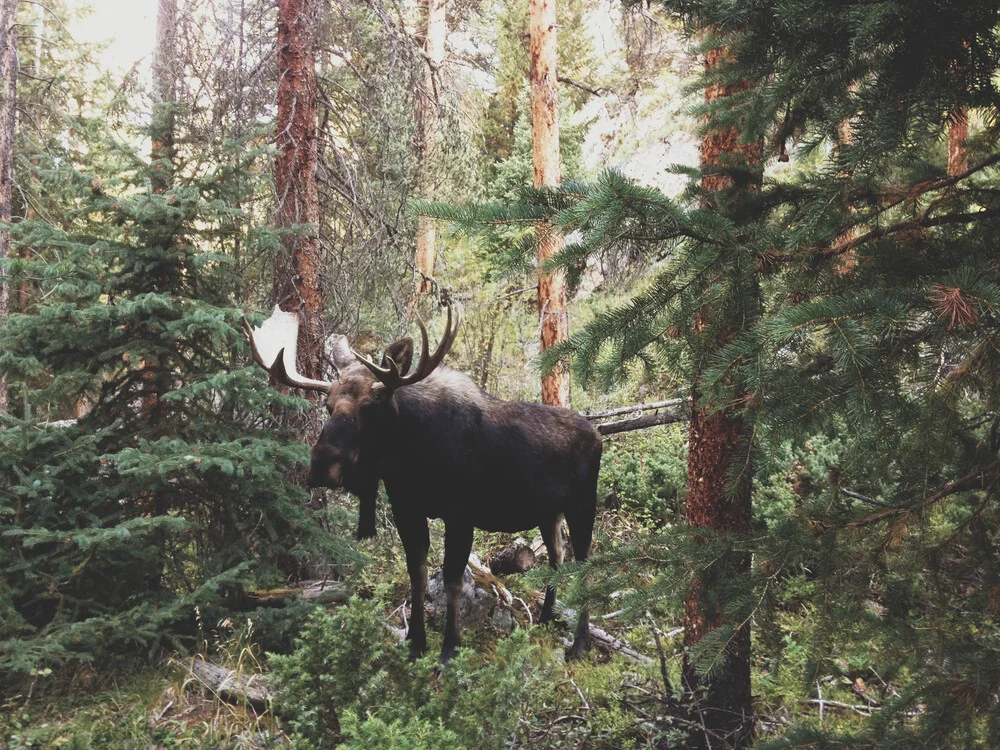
(859, 300)
(172, 490)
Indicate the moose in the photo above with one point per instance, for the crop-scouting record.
(446, 449)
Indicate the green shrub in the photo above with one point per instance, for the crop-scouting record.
(348, 684)
(647, 472)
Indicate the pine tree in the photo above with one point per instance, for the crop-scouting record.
(297, 277)
(552, 291)
(8, 112)
(857, 342)
(720, 464)
(435, 31)
(119, 526)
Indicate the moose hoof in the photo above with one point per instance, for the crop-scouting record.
(447, 654)
(577, 650)
(367, 532)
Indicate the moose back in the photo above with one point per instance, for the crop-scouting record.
(444, 449)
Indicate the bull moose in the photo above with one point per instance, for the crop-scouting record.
(444, 449)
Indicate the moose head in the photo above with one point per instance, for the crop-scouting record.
(358, 401)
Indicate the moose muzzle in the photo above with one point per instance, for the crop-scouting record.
(324, 470)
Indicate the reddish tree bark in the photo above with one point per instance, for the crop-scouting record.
(435, 33)
(298, 268)
(8, 114)
(166, 70)
(718, 443)
(552, 290)
(958, 134)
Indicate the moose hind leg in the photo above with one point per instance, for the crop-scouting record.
(553, 545)
(581, 533)
(457, 547)
(416, 542)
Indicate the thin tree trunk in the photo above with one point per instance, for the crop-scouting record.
(8, 114)
(552, 291)
(165, 74)
(298, 271)
(958, 134)
(165, 70)
(718, 444)
(435, 33)
(24, 289)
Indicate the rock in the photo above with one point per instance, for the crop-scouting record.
(486, 602)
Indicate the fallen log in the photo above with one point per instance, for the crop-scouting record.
(518, 557)
(323, 592)
(230, 686)
(642, 422)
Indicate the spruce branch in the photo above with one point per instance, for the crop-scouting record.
(894, 196)
(979, 479)
(925, 221)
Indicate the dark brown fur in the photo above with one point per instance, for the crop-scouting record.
(446, 449)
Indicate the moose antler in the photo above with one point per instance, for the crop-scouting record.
(392, 378)
(274, 346)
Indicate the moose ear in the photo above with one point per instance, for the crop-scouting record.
(401, 353)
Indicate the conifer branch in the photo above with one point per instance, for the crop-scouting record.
(583, 87)
(896, 197)
(978, 479)
(924, 221)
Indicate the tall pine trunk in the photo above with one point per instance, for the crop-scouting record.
(8, 114)
(718, 449)
(435, 33)
(165, 70)
(298, 268)
(552, 291)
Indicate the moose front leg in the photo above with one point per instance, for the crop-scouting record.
(366, 516)
(416, 541)
(457, 547)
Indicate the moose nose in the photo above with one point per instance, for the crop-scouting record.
(323, 476)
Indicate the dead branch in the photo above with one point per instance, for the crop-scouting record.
(583, 87)
(641, 423)
(926, 220)
(977, 479)
(603, 639)
(864, 498)
(618, 410)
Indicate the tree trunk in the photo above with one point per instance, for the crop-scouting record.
(165, 70)
(958, 134)
(718, 442)
(298, 268)
(545, 152)
(8, 114)
(435, 33)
